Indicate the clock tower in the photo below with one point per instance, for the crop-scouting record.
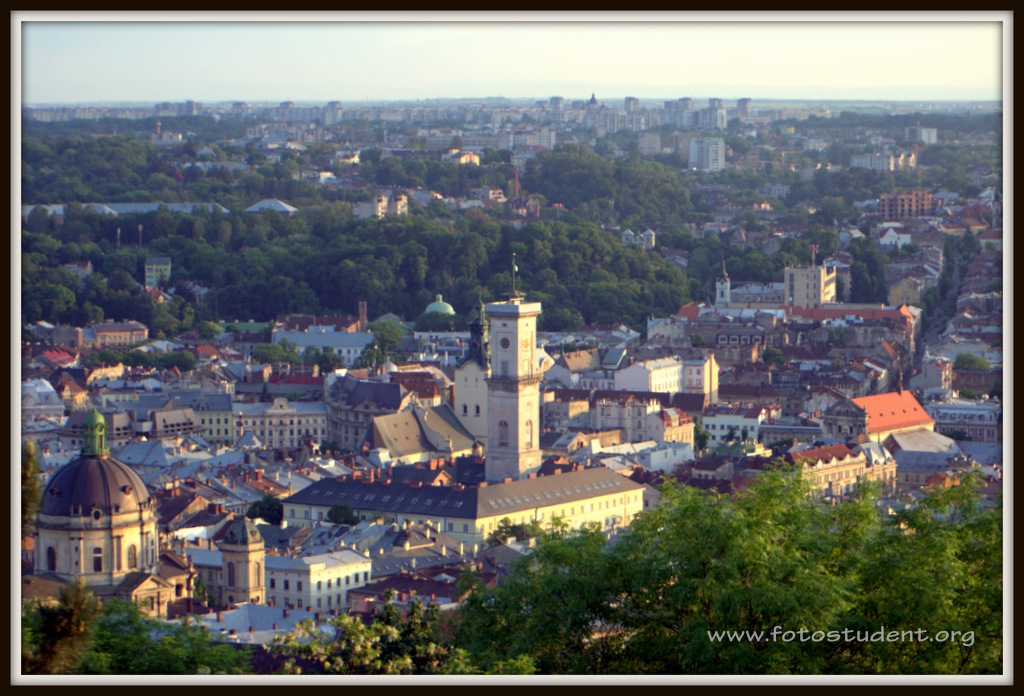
(513, 390)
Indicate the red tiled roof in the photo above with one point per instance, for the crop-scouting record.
(825, 453)
(893, 410)
(689, 311)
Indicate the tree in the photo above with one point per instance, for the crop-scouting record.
(129, 642)
(391, 644)
(771, 354)
(768, 560)
(386, 335)
(56, 636)
(342, 514)
(270, 509)
(968, 362)
(31, 489)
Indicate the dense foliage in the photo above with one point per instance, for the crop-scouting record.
(770, 558)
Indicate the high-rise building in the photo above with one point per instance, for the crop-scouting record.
(928, 136)
(743, 107)
(632, 105)
(900, 205)
(707, 154)
(650, 143)
(513, 390)
(810, 286)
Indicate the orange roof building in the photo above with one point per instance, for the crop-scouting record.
(894, 412)
(876, 417)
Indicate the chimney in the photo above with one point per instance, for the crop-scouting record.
(462, 548)
(316, 616)
(444, 550)
(275, 627)
(406, 545)
(252, 629)
(482, 484)
(432, 598)
(531, 476)
(286, 613)
(259, 474)
(220, 617)
(508, 479)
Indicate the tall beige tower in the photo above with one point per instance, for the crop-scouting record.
(513, 390)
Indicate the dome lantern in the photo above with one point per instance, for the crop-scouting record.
(94, 432)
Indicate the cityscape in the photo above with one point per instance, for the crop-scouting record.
(580, 384)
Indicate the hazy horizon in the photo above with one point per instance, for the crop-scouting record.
(343, 58)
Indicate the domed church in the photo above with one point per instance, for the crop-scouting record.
(98, 521)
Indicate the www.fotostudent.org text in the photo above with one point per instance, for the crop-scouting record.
(847, 635)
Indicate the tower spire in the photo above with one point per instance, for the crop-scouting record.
(514, 269)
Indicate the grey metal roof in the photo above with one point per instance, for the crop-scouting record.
(470, 502)
(94, 482)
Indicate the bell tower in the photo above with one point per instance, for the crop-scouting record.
(723, 289)
(243, 556)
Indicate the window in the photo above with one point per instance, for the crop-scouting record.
(117, 553)
(231, 574)
(328, 584)
(286, 586)
(478, 409)
(51, 558)
(529, 434)
(298, 585)
(319, 585)
(273, 584)
(97, 560)
(298, 603)
(346, 581)
(366, 576)
(503, 434)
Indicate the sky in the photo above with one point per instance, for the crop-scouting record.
(102, 56)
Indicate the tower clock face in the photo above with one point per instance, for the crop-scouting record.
(504, 342)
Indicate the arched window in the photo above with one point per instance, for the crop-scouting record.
(465, 409)
(502, 434)
(97, 559)
(51, 558)
(133, 556)
(231, 574)
(529, 434)
(478, 409)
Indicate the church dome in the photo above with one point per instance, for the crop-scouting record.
(242, 531)
(94, 482)
(440, 306)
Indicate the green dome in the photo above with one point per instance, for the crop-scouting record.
(242, 531)
(440, 306)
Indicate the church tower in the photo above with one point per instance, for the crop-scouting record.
(723, 289)
(471, 378)
(513, 390)
(243, 557)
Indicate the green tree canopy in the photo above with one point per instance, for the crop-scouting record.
(968, 362)
(342, 514)
(270, 509)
